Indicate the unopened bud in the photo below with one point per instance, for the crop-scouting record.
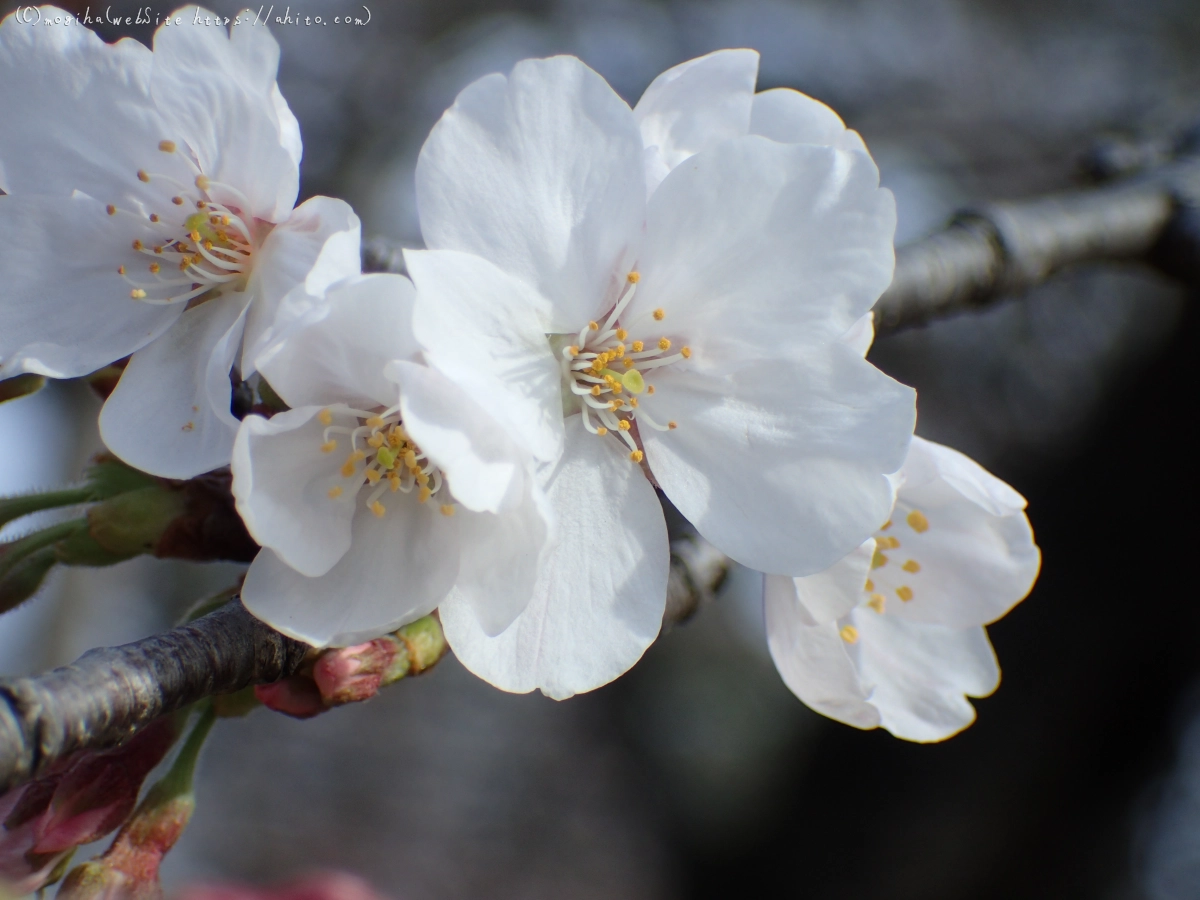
(296, 696)
(21, 580)
(132, 523)
(354, 674)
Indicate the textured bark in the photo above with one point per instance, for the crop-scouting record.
(1001, 249)
(107, 695)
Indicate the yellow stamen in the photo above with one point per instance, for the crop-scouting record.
(424, 494)
(376, 440)
(372, 475)
(887, 543)
(155, 268)
(664, 344)
(410, 459)
(602, 431)
(911, 566)
(878, 561)
(335, 492)
(595, 390)
(166, 146)
(917, 522)
(110, 209)
(637, 346)
(143, 177)
(153, 217)
(878, 602)
(447, 509)
(622, 334)
(138, 245)
(659, 314)
(178, 201)
(904, 592)
(633, 277)
(329, 446)
(202, 182)
(637, 456)
(686, 352)
(375, 422)
(849, 634)
(394, 482)
(378, 509)
(628, 363)
(869, 586)
(137, 294)
(649, 389)
(672, 425)
(574, 351)
(120, 270)
(325, 417)
(623, 424)
(594, 326)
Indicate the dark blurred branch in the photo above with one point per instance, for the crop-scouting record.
(997, 251)
(107, 695)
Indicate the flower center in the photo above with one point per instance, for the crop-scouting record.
(896, 580)
(199, 247)
(606, 370)
(382, 456)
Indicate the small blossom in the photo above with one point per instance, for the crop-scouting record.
(656, 291)
(148, 209)
(385, 488)
(892, 635)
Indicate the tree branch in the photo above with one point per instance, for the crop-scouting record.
(107, 695)
(1001, 249)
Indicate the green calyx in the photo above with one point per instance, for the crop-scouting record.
(21, 386)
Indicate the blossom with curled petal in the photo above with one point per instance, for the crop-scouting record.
(893, 635)
(384, 486)
(676, 305)
(148, 210)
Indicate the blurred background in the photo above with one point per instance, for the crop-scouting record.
(698, 775)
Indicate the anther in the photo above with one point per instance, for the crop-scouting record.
(120, 270)
(628, 363)
(137, 294)
(574, 351)
(166, 146)
(143, 177)
(659, 314)
(869, 586)
(195, 236)
(329, 446)
(649, 389)
(849, 634)
(633, 277)
(878, 602)
(202, 182)
(904, 592)
(595, 390)
(879, 560)
(623, 424)
(424, 494)
(153, 217)
(138, 245)
(887, 543)
(622, 334)
(158, 250)
(686, 352)
(155, 268)
(410, 459)
(110, 209)
(917, 521)
(637, 456)
(325, 417)
(373, 476)
(911, 566)
(335, 492)
(375, 422)
(672, 425)
(593, 326)
(447, 509)
(378, 509)
(664, 344)
(178, 201)
(637, 346)
(376, 440)
(601, 431)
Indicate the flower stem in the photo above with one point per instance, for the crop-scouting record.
(14, 507)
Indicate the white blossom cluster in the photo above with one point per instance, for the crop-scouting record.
(613, 303)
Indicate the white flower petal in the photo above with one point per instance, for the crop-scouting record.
(484, 469)
(601, 589)
(813, 660)
(316, 246)
(487, 332)
(790, 117)
(832, 593)
(694, 106)
(965, 553)
(499, 560)
(918, 673)
(77, 114)
(218, 94)
(66, 311)
(757, 249)
(540, 173)
(281, 483)
(169, 414)
(779, 464)
(397, 569)
(335, 349)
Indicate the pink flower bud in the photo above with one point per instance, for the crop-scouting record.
(296, 696)
(354, 674)
(319, 886)
(82, 800)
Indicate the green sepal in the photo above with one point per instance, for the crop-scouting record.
(132, 523)
(21, 386)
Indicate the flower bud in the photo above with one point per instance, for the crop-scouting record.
(296, 696)
(354, 674)
(85, 798)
